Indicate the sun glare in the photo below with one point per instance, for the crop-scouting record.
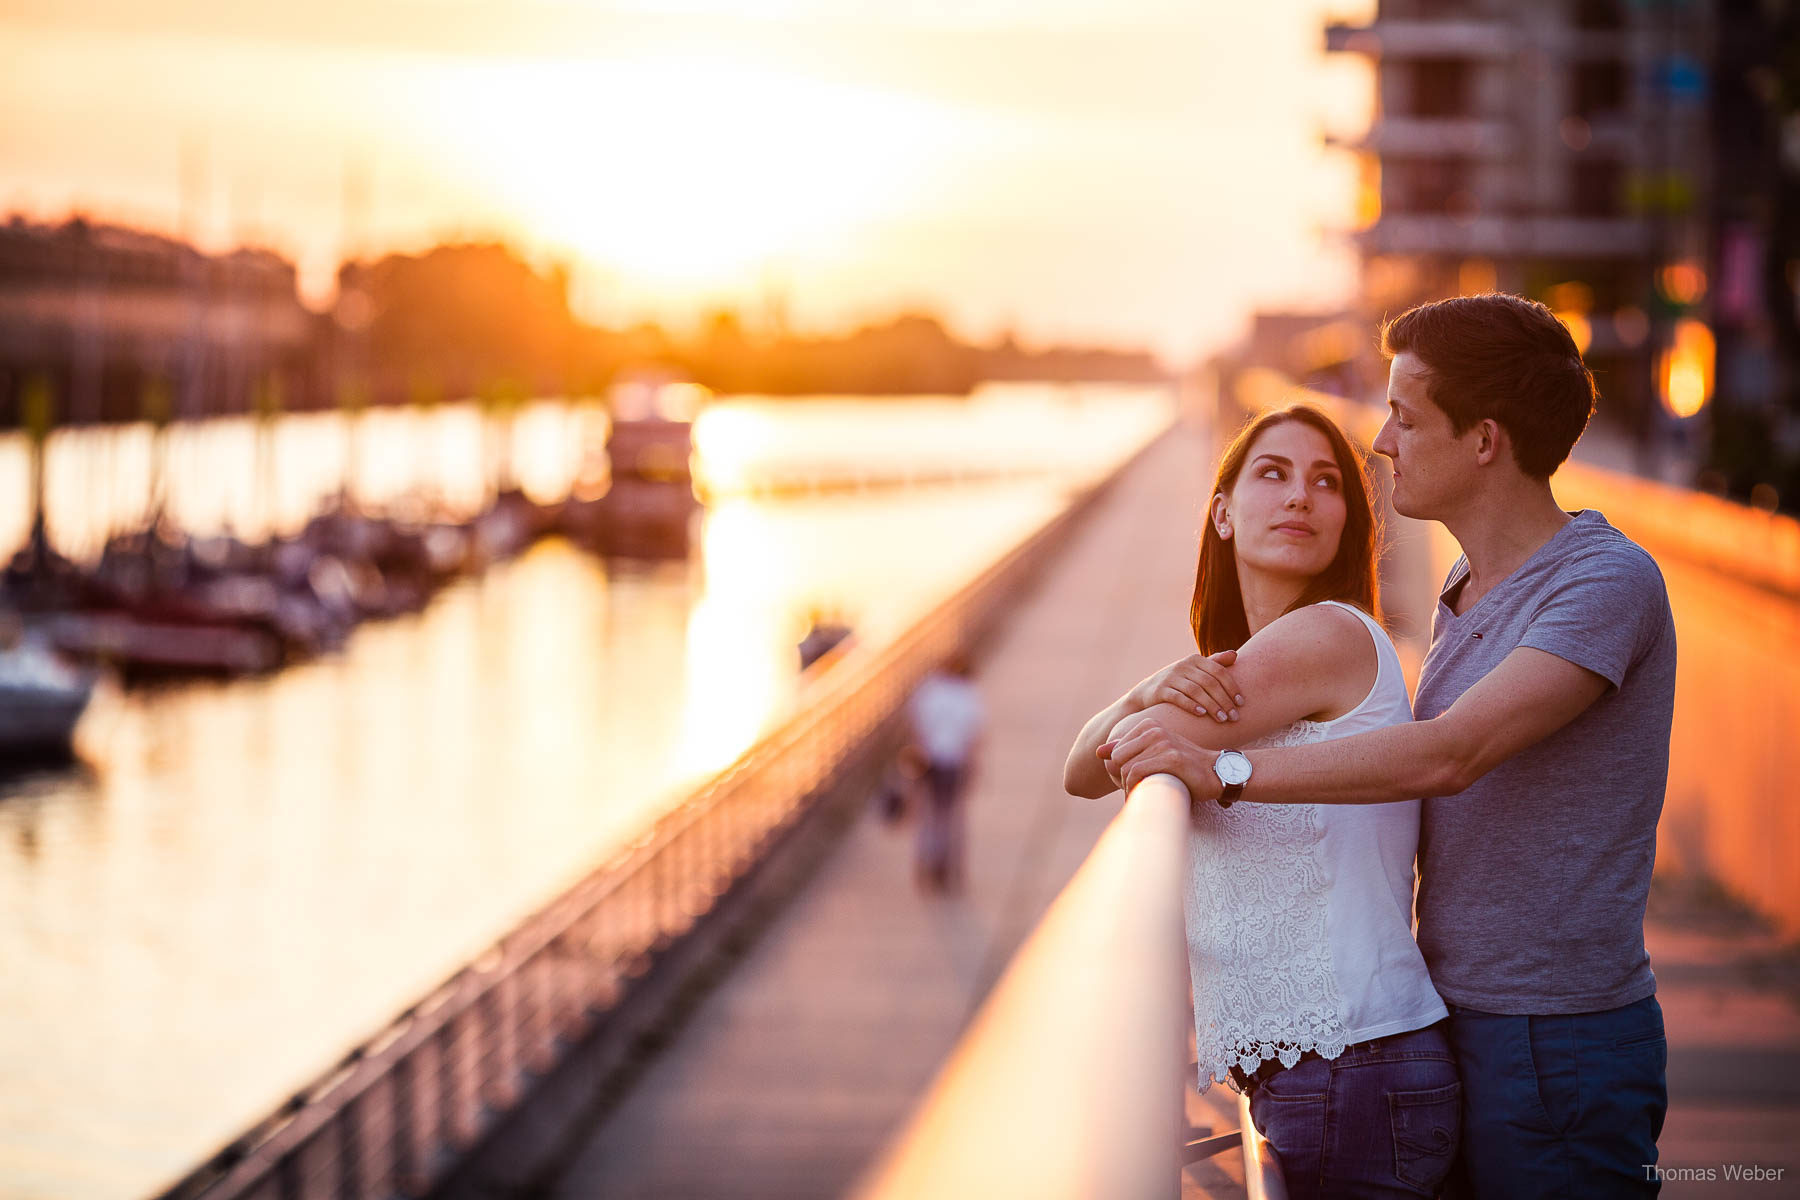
(690, 171)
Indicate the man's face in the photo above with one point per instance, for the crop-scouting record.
(1431, 464)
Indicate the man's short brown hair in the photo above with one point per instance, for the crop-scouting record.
(1504, 357)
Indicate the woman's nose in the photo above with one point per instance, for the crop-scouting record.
(1299, 498)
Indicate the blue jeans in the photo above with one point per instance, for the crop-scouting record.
(1376, 1122)
(1567, 1105)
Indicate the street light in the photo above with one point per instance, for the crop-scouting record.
(1684, 371)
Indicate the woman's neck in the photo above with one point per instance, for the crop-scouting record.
(1266, 596)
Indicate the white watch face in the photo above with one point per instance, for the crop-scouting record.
(1232, 768)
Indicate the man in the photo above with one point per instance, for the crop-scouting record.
(1541, 746)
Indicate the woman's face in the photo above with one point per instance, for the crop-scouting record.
(1285, 515)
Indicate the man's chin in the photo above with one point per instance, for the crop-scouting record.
(1407, 508)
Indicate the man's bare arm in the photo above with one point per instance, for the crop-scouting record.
(1529, 696)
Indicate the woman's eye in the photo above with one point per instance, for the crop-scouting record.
(1272, 473)
(1328, 482)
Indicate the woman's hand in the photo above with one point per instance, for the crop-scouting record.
(1198, 684)
(1149, 747)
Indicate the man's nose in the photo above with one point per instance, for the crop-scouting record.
(1383, 443)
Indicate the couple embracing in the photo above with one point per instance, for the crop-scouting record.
(1514, 1048)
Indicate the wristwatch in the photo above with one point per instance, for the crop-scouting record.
(1233, 770)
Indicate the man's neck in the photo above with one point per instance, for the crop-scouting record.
(1499, 533)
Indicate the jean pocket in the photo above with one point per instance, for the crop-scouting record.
(1643, 1037)
(1308, 1079)
(1427, 1126)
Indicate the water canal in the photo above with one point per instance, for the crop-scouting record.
(242, 880)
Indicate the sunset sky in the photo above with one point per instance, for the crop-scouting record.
(1127, 171)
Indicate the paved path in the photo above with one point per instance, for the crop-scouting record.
(1730, 994)
(792, 1073)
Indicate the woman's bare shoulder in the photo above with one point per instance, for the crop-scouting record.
(1318, 633)
(1314, 663)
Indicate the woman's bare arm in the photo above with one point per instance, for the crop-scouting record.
(1195, 684)
(1317, 663)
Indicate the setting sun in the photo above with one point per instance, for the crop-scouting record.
(690, 171)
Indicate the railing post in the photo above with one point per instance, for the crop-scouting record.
(350, 1156)
(1262, 1170)
(405, 1110)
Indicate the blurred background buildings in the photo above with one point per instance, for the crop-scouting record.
(1631, 163)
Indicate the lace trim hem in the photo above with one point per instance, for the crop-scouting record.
(1247, 1057)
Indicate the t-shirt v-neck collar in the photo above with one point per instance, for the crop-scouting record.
(1459, 580)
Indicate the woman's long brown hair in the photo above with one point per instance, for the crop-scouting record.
(1217, 610)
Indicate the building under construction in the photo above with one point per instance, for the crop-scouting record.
(1559, 149)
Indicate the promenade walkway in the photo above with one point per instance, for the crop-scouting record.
(787, 1079)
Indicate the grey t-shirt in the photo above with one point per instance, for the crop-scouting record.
(1532, 883)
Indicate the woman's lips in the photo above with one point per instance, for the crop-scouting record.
(1297, 530)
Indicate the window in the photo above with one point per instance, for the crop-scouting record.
(1433, 186)
(1600, 87)
(1596, 189)
(1440, 87)
(1599, 14)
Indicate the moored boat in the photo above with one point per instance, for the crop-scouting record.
(41, 699)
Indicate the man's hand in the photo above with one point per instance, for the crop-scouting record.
(1152, 748)
(1199, 683)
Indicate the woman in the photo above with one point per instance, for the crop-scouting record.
(1309, 992)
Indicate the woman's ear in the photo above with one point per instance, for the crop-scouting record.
(1221, 518)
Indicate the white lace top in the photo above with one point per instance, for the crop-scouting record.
(1299, 916)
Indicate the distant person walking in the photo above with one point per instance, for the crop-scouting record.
(947, 716)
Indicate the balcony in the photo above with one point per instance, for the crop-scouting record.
(1480, 40)
(1506, 237)
(1433, 137)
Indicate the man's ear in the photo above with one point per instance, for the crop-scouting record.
(1490, 441)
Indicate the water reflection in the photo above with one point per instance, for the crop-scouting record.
(227, 474)
(251, 877)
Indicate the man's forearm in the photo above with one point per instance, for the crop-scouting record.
(1401, 762)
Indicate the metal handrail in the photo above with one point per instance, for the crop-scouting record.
(1068, 1082)
(1262, 1170)
(399, 1112)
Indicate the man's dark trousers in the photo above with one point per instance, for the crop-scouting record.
(1563, 1105)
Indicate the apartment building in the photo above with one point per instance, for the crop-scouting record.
(1558, 149)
